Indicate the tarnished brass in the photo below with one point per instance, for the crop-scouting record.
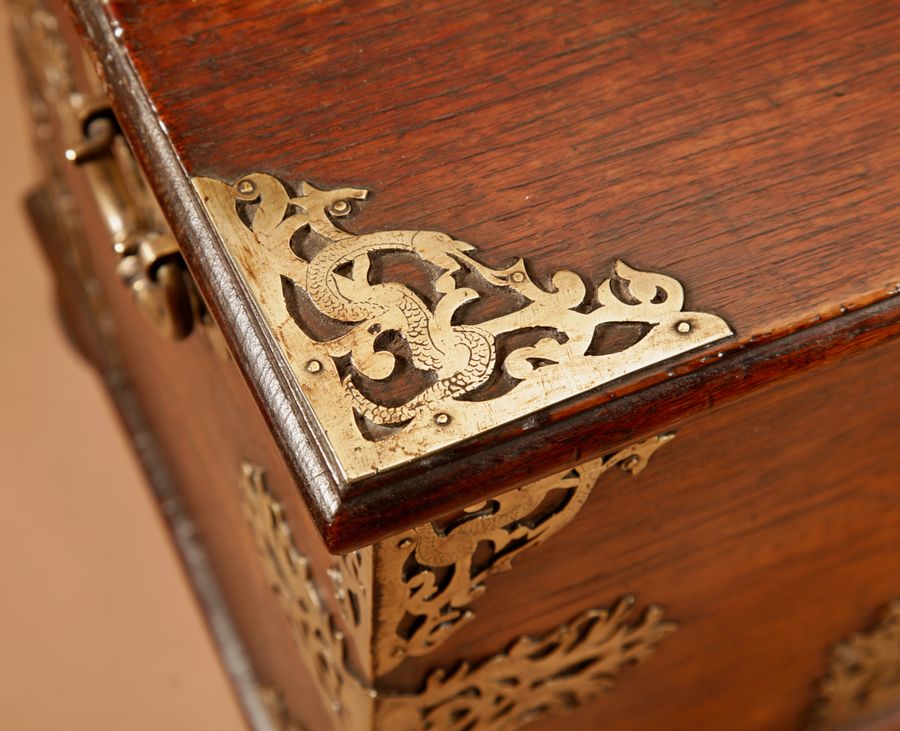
(427, 577)
(320, 641)
(49, 72)
(151, 261)
(319, 289)
(352, 579)
(69, 108)
(532, 678)
(863, 676)
(64, 110)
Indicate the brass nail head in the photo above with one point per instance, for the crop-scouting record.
(630, 463)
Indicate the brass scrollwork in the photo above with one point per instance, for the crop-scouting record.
(317, 635)
(535, 677)
(429, 575)
(532, 678)
(863, 675)
(396, 370)
(352, 580)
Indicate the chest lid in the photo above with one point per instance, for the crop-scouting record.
(456, 245)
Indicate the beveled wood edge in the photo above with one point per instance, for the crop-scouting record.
(193, 560)
(350, 515)
(220, 286)
(656, 408)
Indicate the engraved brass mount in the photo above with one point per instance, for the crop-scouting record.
(429, 576)
(398, 366)
(863, 675)
(531, 679)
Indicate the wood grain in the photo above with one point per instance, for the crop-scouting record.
(766, 530)
(747, 148)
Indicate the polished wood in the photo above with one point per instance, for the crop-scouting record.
(747, 148)
(767, 530)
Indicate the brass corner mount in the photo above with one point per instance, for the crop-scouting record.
(404, 343)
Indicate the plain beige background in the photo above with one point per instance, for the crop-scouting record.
(98, 629)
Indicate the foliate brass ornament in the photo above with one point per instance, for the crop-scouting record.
(532, 678)
(352, 580)
(431, 574)
(863, 675)
(395, 370)
(317, 636)
(535, 677)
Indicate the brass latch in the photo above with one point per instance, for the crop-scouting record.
(151, 263)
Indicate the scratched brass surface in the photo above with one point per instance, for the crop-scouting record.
(532, 678)
(316, 286)
(428, 576)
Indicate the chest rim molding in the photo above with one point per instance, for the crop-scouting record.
(288, 246)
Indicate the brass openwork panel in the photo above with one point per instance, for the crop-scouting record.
(405, 342)
(429, 576)
(863, 675)
(531, 678)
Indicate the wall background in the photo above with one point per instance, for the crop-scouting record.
(98, 629)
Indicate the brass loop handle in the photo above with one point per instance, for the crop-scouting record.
(151, 263)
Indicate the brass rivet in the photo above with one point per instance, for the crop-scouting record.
(630, 463)
(339, 208)
(442, 419)
(314, 366)
(246, 186)
(683, 327)
(517, 277)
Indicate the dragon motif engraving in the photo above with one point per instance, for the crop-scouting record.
(462, 356)
(398, 366)
(431, 574)
(532, 678)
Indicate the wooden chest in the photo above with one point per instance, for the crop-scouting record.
(500, 364)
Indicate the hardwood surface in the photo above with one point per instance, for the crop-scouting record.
(767, 531)
(747, 148)
(750, 149)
